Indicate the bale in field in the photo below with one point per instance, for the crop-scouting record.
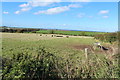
(52, 36)
(67, 36)
(59, 36)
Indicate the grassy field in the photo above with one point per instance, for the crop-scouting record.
(71, 51)
(75, 33)
(13, 42)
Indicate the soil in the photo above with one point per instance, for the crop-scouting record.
(82, 47)
(91, 49)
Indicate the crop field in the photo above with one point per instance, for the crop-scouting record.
(65, 32)
(67, 56)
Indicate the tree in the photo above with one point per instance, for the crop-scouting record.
(51, 32)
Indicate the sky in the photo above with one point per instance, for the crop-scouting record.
(88, 16)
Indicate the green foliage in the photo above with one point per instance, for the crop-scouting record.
(74, 33)
(25, 59)
(19, 30)
(51, 32)
(47, 66)
(24, 65)
(109, 37)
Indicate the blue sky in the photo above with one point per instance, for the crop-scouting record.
(89, 16)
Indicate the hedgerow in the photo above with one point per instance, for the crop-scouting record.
(108, 37)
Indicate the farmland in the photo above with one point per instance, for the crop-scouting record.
(49, 31)
(56, 43)
(74, 33)
(61, 56)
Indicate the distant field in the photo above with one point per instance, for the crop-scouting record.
(75, 33)
(49, 31)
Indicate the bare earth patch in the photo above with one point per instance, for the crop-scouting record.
(92, 50)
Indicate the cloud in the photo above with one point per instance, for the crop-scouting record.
(104, 12)
(80, 0)
(24, 5)
(74, 5)
(25, 9)
(42, 3)
(35, 3)
(53, 10)
(22, 10)
(57, 10)
(105, 16)
(17, 12)
(5, 12)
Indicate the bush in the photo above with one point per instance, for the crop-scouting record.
(109, 37)
(51, 32)
(26, 66)
(46, 66)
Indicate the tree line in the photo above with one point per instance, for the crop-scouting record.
(19, 30)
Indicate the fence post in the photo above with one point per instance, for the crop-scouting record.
(86, 53)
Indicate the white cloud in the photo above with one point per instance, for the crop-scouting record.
(105, 16)
(104, 12)
(5, 12)
(17, 12)
(57, 10)
(22, 10)
(35, 3)
(24, 5)
(53, 10)
(25, 9)
(80, 0)
(38, 3)
(74, 5)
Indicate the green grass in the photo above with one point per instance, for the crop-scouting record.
(75, 33)
(17, 44)
(97, 65)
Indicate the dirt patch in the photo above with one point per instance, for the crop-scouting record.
(94, 50)
(82, 47)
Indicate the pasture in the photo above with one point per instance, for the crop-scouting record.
(13, 42)
(71, 51)
(74, 33)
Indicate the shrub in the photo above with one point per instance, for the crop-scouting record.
(46, 66)
(26, 66)
(51, 32)
(109, 37)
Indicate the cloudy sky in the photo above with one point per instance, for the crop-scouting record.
(85, 15)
